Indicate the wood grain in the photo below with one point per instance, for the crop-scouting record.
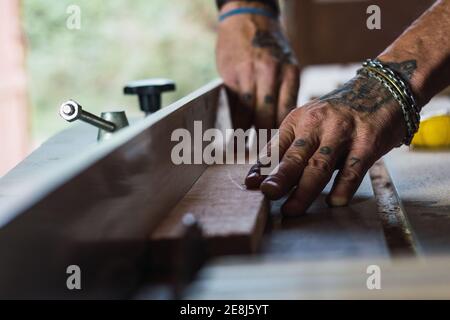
(232, 218)
(326, 279)
(397, 229)
(329, 233)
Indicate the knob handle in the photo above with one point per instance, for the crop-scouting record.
(149, 92)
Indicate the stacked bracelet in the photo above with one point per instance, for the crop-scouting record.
(401, 91)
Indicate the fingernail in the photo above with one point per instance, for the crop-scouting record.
(252, 175)
(253, 181)
(338, 201)
(271, 182)
(271, 189)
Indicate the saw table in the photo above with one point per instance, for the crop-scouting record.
(139, 226)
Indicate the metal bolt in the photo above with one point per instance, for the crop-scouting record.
(71, 111)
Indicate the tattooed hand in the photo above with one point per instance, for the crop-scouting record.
(347, 129)
(258, 68)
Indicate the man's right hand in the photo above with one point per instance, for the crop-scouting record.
(258, 68)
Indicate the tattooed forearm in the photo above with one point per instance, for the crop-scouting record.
(405, 69)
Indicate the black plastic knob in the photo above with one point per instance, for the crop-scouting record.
(149, 92)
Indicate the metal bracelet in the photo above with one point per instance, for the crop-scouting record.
(410, 127)
(413, 115)
(397, 78)
(400, 89)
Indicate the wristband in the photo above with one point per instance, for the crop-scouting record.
(246, 10)
(273, 4)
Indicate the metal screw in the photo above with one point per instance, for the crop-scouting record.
(71, 111)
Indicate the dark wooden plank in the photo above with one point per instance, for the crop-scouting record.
(232, 218)
(323, 232)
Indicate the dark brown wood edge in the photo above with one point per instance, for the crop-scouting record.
(397, 229)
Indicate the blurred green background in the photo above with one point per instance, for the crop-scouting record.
(118, 41)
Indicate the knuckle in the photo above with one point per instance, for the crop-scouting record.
(291, 119)
(292, 71)
(268, 65)
(370, 134)
(241, 71)
(367, 149)
(351, 176)
(295, 159)
(229, 80)
(367, 145)
(344, 125)
(320, 165)
(317, 114)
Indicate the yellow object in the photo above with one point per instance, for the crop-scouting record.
(434, 131)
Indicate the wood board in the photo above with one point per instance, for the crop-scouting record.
(329, 233)
(231, 217)
(295, 279)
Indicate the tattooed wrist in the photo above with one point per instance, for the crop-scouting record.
(361, 94)
(366, 94)
(411, 71)
(405, 69)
